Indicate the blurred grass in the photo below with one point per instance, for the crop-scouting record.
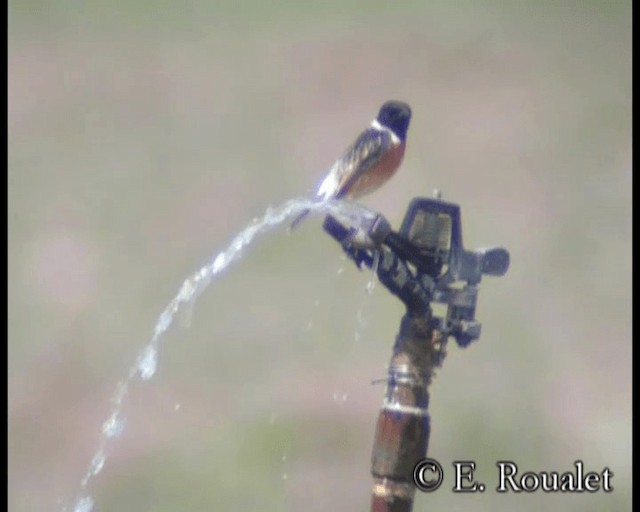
(144, 135)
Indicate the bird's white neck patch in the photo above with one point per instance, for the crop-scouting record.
(375, 124)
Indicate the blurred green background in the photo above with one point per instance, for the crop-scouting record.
(144, 135)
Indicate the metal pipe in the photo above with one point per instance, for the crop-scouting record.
(402, 432)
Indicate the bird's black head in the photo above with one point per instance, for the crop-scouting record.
(395, 115)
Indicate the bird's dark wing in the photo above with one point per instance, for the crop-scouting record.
(359, 157)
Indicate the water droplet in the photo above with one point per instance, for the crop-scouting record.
(356, 335)
(284, 476)
(113, 427)
(360, 317)
(203, 273)
(339, 397)
(148, 362)
(371, 284)
(284, 458)
(176, 407)
(237, 244)
(187, 289)
(340, 270)
(219, 263)
(84, 504)
(316, 302)
(272, 418)
(121, 392)
(163, 322)
(309, 326)
(97, 463)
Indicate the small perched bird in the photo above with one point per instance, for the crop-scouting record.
(371, 160)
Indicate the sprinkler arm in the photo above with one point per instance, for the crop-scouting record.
(425, 261)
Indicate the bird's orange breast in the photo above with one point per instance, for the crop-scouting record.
(379, 172)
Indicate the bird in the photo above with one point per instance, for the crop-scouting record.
(371, 160)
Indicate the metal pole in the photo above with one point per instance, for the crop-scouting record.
(402, 432)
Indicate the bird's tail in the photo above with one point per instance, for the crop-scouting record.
(298, 219)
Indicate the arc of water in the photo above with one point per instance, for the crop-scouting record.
(147, 360)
